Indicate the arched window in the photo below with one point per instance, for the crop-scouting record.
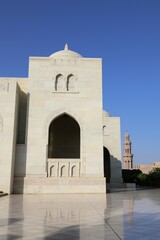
(71, 82)
(64, 138)
(59, 82)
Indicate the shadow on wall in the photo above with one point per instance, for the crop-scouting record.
(112, 167)
(107, 164)
(116, 171)
(117, 166)
(22, 136)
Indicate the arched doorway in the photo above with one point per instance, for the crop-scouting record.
(107, 167)
(64, 138)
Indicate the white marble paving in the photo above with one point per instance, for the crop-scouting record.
(118, 215)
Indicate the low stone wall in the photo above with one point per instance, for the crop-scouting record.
(59, 185)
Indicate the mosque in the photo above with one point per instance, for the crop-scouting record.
(54, 135)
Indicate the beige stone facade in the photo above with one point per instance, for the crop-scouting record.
(54, 135)
(146, 168)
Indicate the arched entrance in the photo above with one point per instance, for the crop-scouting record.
(107, 167)
(64, 138)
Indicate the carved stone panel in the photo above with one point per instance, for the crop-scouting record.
(63, 168)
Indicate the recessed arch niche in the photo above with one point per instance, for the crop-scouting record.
(59, 82)
(70, 82)
(107, 167)
(64, 138)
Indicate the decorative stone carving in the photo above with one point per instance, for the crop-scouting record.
(4, 87)
(63, 168)
(64, 172)
(73, 171)
(53, 171)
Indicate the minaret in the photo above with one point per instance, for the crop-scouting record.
(127, 156)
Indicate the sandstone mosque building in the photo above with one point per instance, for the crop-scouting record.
(54, 135)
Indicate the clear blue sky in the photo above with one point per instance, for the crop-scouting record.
(125, 33)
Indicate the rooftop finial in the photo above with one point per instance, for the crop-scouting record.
(126, 133)
(66, 47)
(127, 137)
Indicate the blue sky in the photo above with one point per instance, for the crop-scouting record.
(124, 33)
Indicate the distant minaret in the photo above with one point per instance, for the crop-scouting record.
(127, 156)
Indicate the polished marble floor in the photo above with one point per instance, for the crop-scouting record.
(118, 215)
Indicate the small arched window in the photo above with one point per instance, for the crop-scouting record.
(104, 130)
(71, 82)
(59, 82)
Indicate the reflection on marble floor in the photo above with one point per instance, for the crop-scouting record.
(118, 215)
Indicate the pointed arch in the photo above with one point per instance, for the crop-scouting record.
(54, 114)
